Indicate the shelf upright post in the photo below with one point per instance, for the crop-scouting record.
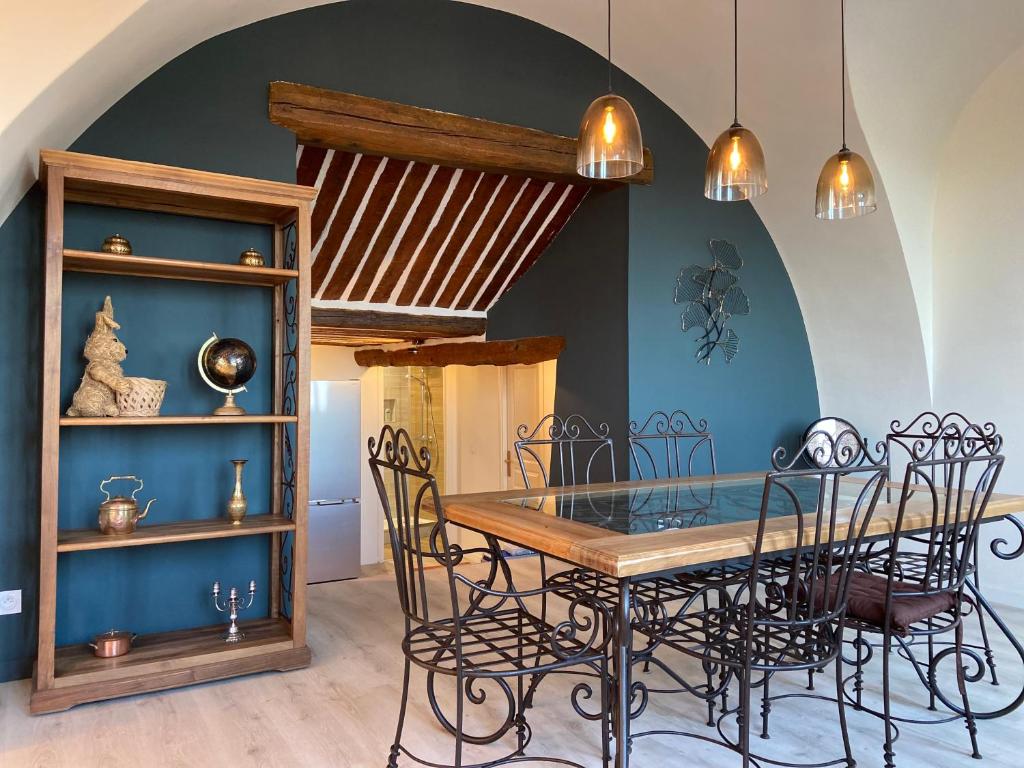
(300, 511)
(50, 427)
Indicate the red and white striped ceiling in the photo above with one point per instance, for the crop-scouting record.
(402, 233)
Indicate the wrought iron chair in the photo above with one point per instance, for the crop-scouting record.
(469, 631)
(782, 614)
(915, 587)
(935, 434)
(563, 452)
(660, 443)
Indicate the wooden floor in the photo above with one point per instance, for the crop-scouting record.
(341, 712)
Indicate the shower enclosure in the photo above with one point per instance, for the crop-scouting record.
(414, 401)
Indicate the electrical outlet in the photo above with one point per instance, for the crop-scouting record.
(10, 602)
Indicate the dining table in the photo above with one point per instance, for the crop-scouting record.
(633, 530)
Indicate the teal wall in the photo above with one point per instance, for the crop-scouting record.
(207, 109)
(768, 393)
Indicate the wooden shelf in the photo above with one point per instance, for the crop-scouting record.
(81, 539)
(168, 660)
(164, 421)
(174, 269)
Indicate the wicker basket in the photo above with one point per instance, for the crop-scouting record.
(144, 399)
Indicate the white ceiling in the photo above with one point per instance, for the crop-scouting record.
(912, 65)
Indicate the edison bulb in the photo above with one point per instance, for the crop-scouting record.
(610, 129)
(735, 158)
(844, 174)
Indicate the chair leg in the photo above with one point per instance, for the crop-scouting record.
(520, 715)
(931, 665)
(606, 719)
(766, 706)
(888, 752)
(961, 681)
(743, 718)
(460, 713)
(396, 746)
(841, 703)
(858, 673)
(709, 671)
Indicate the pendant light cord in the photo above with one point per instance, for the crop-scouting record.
(609, 46)
(735, 63)
(842, 72)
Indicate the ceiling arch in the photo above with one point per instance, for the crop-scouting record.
(892, 61)
(851, 278)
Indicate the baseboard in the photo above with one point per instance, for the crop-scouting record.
(15, 669)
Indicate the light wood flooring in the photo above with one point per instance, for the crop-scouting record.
(341, 712)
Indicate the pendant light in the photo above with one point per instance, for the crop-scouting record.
(609, 145)
(846, 188)
(735, 169)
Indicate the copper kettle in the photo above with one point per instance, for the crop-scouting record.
(120, 513)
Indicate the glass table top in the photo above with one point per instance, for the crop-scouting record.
(680, 504)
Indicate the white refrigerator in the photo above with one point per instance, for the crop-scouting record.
(334, 472)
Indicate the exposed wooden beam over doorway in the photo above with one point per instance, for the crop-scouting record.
(535, 349)
(359, 327)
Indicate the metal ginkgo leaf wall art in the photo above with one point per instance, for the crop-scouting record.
(711, 297)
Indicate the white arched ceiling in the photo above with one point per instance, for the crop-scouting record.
(914, 65)
(850, 277)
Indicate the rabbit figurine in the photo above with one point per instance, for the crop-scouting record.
(103, 375)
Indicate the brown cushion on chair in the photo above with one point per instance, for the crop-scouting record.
(866, 602)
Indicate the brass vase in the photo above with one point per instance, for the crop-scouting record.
(237, 505)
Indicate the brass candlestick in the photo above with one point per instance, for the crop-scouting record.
(232, 606)
(237, 504)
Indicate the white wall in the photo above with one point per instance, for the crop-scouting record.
(979, 277)
(979, 264)
(338, 364)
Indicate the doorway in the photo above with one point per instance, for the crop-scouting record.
(413, 400)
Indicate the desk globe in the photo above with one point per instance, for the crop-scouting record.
(226, 365)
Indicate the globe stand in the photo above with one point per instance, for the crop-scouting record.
(229, 408)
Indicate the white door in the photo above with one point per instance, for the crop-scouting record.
(525, 403)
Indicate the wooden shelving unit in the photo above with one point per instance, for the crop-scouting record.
(66, 676)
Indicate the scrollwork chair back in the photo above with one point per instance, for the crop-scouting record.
(952, 475)
(397, 466)
(577, 450)
(665, 445)
(930, 432)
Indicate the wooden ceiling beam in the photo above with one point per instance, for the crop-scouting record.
(535, 349)
(360, 327)
(346, 121)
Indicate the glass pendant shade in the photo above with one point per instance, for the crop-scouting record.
(846, 188)
(609, 144)
(735, 169)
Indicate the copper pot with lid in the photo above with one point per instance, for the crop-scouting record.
(116, 642)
